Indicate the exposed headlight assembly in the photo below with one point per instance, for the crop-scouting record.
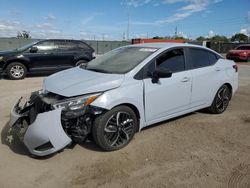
(77, 103)
(1, 57)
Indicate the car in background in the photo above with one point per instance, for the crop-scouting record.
(46, 56)
(122, 92)
(240, 53)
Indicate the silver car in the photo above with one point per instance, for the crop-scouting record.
(121, 92)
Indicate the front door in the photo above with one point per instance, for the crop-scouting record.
(169, 95)
(44, 59)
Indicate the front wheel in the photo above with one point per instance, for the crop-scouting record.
(16, 71)
(115, 129)
(221, 100)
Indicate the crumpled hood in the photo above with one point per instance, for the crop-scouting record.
(77, 81)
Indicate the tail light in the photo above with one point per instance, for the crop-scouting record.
(236, 68)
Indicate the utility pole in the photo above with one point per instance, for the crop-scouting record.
(175, 33)
(123, 36)
(128, 26)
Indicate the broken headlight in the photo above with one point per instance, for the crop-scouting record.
(76, 103)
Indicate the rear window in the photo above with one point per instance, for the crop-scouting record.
(213, 58)
(199, 57)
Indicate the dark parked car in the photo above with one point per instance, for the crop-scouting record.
(240, 53)
(47, 56)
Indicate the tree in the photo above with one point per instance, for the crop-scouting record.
(23, 34)
(201, 38)
(179, 38)
(239, 37)
(219, 38)
(157, 37)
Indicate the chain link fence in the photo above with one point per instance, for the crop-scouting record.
(100, 47)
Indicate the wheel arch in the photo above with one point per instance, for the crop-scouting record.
(84, 58)
(230, 88)
(136, 111)
(25, 63)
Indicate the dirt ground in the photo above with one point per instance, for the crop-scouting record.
(196, 150)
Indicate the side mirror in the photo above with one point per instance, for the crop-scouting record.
(33, 49)
(160, 73)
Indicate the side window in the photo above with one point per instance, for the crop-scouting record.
(212, 58)
(63, 45)
(172, 60)
(149, 68)
(46, 46)
(199, 57)
(82, 45)
(70, 45)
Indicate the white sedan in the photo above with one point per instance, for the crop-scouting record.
(122, 92)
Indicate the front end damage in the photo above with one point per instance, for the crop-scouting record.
(48, 122)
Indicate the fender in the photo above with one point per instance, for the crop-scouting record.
(123, 95)
(86, 57)
(18, 58)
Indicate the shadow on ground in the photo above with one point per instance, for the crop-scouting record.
(9, 138)
(12, 141)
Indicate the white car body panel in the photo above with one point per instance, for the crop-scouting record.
(183, 92)
(160, 98)
(130, 92)
(77, 81)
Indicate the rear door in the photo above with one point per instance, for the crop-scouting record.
(65, 54)
(205, 74)
(169, 95)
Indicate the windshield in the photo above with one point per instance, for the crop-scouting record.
(26, 46)
(121, 60)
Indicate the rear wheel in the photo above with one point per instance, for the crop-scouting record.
(221, 100)
(16, 71)
(115, 129)
(81, 63)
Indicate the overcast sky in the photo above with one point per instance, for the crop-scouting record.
(98, 19)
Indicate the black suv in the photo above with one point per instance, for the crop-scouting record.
(47, 56)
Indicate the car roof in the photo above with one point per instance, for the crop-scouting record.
(61, 40)
(166, 45)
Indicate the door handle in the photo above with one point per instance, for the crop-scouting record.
(185, 79)
(217, 69)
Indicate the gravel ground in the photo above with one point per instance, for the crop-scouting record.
(195, 150)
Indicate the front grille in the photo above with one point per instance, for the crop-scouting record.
(233, 55)
(38, 106)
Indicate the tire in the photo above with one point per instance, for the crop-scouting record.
(110, 136)
(248, 59)
(81, 63)
(16, 71)
(221, 100)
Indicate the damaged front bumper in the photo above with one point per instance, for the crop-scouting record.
(42, 136)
